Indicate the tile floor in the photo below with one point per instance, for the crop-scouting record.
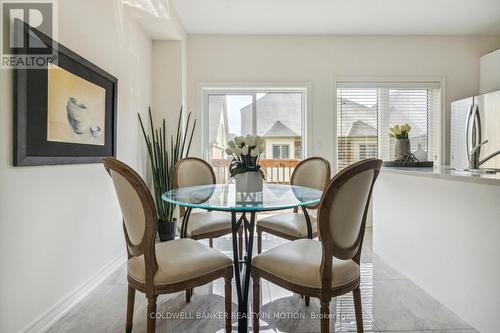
(391, 303)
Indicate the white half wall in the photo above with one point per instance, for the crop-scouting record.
(318, 59)
(61, 225)
(443, 235)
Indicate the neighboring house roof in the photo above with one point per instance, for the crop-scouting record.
(273, 107)
(280, 130)
(355, 112)
(368, 114)
(361, 129)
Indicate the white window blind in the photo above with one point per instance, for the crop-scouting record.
(366, 111)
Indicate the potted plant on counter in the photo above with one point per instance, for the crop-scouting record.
(164, 151)
(245, 167)
(402, 145)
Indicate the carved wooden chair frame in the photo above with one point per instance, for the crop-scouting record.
(146, 247)
(329, 250)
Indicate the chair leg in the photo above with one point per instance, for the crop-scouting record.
(325, 316)
(189, 293)
(256, 303)
(228, 302)
(151, 314)
(307, 300)
(356, 293)
(130, 309)
(259, 241)
(211, 242)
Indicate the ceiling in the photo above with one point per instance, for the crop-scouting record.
(346, 17)
(157, 18)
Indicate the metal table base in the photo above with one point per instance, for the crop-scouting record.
(243, 285)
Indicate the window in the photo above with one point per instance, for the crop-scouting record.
(366, 111)
(281, 152)
(367, 150)
(275, 114)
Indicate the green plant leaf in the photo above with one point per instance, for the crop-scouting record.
(162, 160)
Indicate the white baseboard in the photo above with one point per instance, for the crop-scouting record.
(46, 320)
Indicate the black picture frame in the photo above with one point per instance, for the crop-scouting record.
(31, 146)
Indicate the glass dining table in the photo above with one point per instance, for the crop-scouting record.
(223, 197)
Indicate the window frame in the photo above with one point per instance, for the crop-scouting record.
(443, 151)
(280, 146)
(253, 89)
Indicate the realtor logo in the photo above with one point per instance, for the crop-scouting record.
(25, 28)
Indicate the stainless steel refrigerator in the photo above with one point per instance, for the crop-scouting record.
(475, 132)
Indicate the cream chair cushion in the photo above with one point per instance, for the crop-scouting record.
(203, 222)
(131, 207)
(180, 260)
(348, 207)
(311, 173)
(292, 224)
(299, 262)
(193, 172)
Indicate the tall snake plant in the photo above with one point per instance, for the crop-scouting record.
(163, 156)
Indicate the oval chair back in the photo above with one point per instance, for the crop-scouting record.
(314, 172)
(139, 214)
(342, 214)
(192, 171)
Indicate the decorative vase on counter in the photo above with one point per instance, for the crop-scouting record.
(420, 154)
(167, 230)
(249, 182)
(401, 147)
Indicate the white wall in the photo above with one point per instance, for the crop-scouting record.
(169, 79)
(443, 235)
(317, 59)
(59, 225)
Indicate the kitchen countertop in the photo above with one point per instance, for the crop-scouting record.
(445, 172)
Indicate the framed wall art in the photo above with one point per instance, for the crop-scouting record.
(64, 112)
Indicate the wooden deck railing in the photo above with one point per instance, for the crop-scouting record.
(275, 171)
(278, 171)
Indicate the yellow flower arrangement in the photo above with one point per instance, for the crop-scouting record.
(400, 131)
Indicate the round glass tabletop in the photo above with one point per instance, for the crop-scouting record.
(223, 197)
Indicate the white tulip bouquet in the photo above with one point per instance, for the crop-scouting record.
(246, 152)
(400, 131)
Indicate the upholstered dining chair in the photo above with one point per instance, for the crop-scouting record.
(166, 267)
(328, 267)
(193, 171)
(312, 172)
